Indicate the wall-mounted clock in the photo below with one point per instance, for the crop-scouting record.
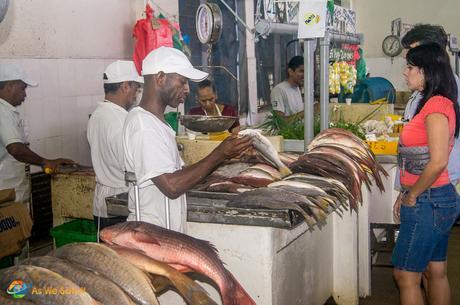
(3, 8)
(208, 22)
(391, 46)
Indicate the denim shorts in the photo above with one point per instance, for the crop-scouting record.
(424, 230)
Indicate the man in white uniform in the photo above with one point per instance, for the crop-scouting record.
(285, 97)
(149, 142)
(104, 133)
(14, 150)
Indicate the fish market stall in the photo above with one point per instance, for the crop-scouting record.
(273, 253)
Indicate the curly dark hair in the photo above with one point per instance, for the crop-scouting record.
(425, 34)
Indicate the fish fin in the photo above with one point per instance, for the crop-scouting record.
(181, 268)
(285, 171)
(145, 238)
(192, 292)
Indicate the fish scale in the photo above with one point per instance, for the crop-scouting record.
(107, 262)
(178, 249)
(99, 287)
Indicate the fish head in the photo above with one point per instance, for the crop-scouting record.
(111, 234)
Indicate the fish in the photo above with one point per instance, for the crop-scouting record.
(275, 199)
(253, 177)
(176, 248)
(228, 187)
(288, 158)
(188, 289)
(99, 287)
(298, 187)
(108, 263)
(231, 170)
(45, 281)
(268, 169)
(330, 168)
(265, 147)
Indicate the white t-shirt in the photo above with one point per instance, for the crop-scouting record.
(151, 150)
(286, 98)
(105, 137)
(12, 171)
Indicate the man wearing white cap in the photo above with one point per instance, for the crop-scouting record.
(149, 142)
(104, 133)
(14, 150)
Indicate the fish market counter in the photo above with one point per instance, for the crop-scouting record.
(273, 254)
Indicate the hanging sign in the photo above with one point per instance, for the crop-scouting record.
(312, 18)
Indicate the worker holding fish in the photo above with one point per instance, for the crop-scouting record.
(428, 205)
(149, 142)
(286, 98)
(207, 97)
(104, 133)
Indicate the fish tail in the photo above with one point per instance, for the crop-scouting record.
(242, 297)
(285, 171)
(192, 292)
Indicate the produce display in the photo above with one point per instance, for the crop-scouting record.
(342, 76)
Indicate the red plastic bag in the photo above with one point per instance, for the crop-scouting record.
(150, 33)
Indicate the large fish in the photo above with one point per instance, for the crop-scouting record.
(275, 199)
(302, 188)
(265, 147)
(228, 187)
(253, 177)
(188, 289)
(107, 262)
(99, 287)
(46, 286)
(178, 249)
(268, 169)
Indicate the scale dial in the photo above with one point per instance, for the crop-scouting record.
(391, 46)
(208, 23)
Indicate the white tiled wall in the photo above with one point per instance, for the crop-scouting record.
(56, 112)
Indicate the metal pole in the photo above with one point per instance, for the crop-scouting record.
(167, 216)
(137, 207)
(308, 90)
(324, 82)
(456, 63)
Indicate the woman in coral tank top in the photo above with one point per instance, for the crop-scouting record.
(427, 208)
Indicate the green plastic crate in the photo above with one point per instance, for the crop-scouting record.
(6, 262)
(79, 230)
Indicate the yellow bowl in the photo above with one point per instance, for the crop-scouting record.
(219, 136)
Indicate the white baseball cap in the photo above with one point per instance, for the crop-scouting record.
(122, 71)
(9, 71)
(170, 60)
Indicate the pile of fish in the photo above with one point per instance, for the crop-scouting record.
(338, 154)
(124, 270)
(180, 251)
(326, 178)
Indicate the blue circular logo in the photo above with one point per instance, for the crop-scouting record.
(18, 289)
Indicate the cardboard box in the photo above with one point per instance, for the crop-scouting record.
(15, 227)
(7, 195)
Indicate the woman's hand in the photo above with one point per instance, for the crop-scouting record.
(408, 199)
(397, 208)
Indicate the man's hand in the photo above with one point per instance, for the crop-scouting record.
(50, 166)
(234, 146)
